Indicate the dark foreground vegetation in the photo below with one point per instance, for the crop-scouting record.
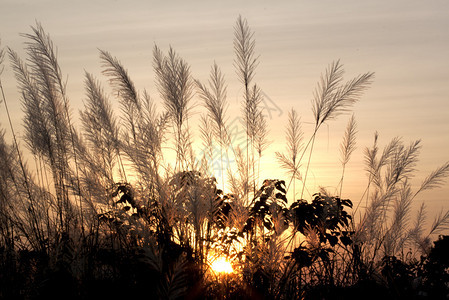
(125, 207)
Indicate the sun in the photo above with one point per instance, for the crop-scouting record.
(222, 265)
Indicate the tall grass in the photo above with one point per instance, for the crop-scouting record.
(294, 139)
(106, 208)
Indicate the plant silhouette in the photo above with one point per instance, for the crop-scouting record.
(122, 206)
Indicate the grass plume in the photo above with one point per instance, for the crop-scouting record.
(106, 211)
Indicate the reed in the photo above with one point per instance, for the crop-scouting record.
(107, 210)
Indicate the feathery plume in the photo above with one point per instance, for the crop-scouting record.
(435, 179)
(294, 138)
(347, 147)
(331, 98)
(349, 141)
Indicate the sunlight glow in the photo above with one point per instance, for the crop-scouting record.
(221, 265)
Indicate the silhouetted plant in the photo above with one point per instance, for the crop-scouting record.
(106, 213)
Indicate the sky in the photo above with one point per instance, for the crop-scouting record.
(406, 44)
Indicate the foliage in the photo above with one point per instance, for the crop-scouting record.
(107, 212)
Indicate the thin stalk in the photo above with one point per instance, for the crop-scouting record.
(22, 167)
(16, 145)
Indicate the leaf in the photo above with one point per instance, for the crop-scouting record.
(347, 203)
(333, 240)
(302, 257)
(280, 186)
(281, 197)
(346, 240)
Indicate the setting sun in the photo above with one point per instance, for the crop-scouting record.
(222, 265)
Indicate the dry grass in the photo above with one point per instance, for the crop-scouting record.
(103, 197)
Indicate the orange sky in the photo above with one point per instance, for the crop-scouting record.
(406, 43)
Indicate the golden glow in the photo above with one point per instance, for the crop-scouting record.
(222, 265)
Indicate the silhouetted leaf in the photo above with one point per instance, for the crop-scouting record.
(347, 203)
(333, 240)
(282, 197)
(346, 240)
(302, 257)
